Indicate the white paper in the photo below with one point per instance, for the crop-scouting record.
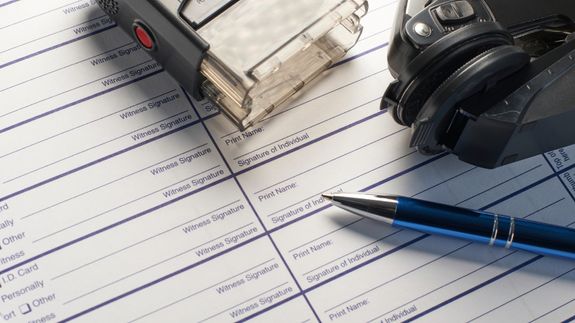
(121, 200)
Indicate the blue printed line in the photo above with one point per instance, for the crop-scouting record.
(498, 259)
(294, 296)
(319, 284)
(483, 209)
(42, 183)
(91, 148)
(553, 310)
(39, 14)
(308, 128)
(446, 180)
(55, 47)
(35, 213)
(548, 162)
(286, 109)
(387, 253)
(320, 138)
(559, 177)
(54, 33)
(316, 194)
(406, 171)
(84, 124)
(523, 294)
(290, 272)
(528, 187)
(387, 235)
(332, 160)
(69, 105)
(7, 3)
(246, 301)
(351, 58)
(325, 281)
(65, 67)
(555, 173)
(545, 207)
(75, 88)
(149, 238)
(427, 263)
(442, 286)
(428, 161)
(507, 272)
(123, 205)
(224, 252)
(423, 236)
(161, 279)
(502, 183)
(111, 226)
(477, 287)
(97, 161)
(95, 307)
(125, 150)
(325, 235)
(245, 242)
(249, 203)
(372, 10)
(283, 301)
(163, 261)
(202, 290)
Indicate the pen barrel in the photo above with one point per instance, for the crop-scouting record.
(444, 219)
(485, 227)
(543, 238)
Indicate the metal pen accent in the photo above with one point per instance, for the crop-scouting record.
(478, 226)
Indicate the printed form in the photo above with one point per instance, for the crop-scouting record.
(124, 200)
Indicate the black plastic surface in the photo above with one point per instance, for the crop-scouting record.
(517, 14)
(489, 112)
(455, 12)
(179, 49)
(493, 136)
(485, 69)
(432, 66)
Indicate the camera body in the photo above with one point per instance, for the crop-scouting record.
(247, 56)
(492, 81)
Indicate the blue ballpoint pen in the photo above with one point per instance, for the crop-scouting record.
(451, 221)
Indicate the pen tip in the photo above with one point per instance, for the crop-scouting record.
(328, 196)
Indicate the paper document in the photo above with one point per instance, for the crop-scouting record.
(124, 200)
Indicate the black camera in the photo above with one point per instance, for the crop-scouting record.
(492, 81)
